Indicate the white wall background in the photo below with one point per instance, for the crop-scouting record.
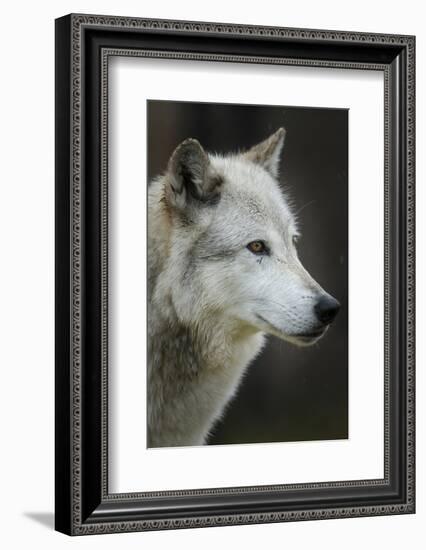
(26, 288)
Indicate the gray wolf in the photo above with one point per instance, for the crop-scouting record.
(223, 272)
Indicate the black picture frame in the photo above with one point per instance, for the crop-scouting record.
(83, 45)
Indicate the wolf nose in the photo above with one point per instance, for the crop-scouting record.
(326, 309)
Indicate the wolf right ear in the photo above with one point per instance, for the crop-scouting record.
(268, 152)
(191, 177)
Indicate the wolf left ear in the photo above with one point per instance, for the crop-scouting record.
(191, 178)
(267, 153)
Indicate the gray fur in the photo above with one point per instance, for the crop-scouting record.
(211, 300)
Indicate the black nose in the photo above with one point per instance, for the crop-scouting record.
(326, 309)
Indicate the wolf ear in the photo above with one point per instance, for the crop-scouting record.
(267, 153)
(191, 176)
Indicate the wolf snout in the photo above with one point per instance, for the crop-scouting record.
(326, 309)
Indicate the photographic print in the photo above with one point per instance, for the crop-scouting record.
(247, 274)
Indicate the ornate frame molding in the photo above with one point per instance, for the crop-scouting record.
(73, 49)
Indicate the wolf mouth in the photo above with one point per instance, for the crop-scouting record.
(302, 335)
(313, 334)
(276, 329)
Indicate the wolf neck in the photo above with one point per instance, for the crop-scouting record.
(193, 372)
(194, 369)
(210, 344)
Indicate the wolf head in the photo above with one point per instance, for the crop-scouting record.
(232, 245)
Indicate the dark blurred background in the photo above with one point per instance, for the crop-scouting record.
(288, 393)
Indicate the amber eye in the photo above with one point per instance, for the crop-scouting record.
(257, 247)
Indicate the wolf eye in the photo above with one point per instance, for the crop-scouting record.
(257, 247)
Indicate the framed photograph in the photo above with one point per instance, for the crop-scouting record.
(234, 274)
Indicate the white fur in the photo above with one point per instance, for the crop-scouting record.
(211, 300)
